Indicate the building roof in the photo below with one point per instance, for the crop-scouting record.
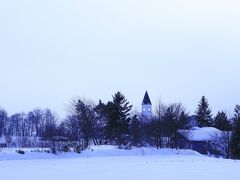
(201, 134)
(146, 99)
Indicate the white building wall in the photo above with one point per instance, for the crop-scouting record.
(147, 110)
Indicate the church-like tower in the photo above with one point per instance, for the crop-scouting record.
(146, 106)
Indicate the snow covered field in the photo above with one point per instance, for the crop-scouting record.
(109, 163)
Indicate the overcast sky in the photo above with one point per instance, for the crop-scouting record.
(178, 50)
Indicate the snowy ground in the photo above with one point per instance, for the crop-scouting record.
(108, 163)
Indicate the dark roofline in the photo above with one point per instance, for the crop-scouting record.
(146, 99)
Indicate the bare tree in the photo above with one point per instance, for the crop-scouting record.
(163, 127)
(158, 124)
(175, 118)
(220, 144)
(3, 121)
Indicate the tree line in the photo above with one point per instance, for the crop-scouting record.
(115, 123)
(222, 122)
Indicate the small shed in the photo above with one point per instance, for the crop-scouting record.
(198, 139)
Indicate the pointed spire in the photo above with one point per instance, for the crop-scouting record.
(146, 99)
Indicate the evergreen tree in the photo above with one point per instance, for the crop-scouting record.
(203, 113)
(135, 131)
(235, 139)
(117, 117)
(221, 122)
(184, 122)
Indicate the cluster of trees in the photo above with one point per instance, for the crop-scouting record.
(115, 123)
(33, 129)
(35, 123)
(105, 123)
(235, 137)
(205, 118)
(231, 126)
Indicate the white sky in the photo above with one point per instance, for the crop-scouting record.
(53, 50)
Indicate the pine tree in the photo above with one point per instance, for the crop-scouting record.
(235, 139)
(203, 113)
(135, 128)
(221, 122)
(121, 110)
(183, 122)
(117, 116)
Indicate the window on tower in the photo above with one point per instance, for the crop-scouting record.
(144, 109)
(149, 109)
